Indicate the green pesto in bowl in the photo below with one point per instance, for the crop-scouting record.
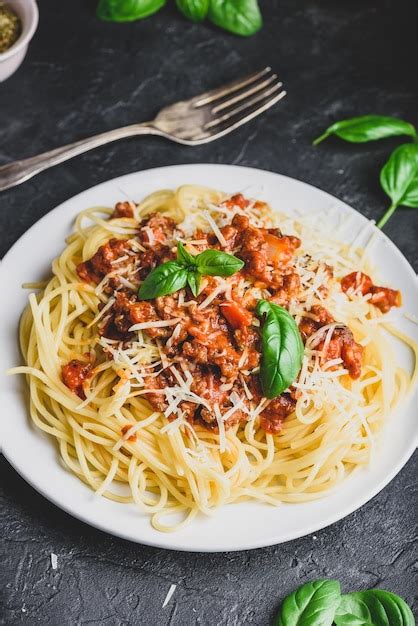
(10, 27)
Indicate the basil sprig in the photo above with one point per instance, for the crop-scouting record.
(241, 17)
(165, 279)
(399, 176)
(373, 607)
(313, 604)
(217, 263)
(399, 179)
(282, 349)
(368, 128)
(187, 270)
(320, 603)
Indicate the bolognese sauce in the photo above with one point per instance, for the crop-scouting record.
(216, 335)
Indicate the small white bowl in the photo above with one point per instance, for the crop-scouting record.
(10, 60)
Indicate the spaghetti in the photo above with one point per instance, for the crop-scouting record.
(158, 403)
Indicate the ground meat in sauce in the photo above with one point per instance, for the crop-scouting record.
(271, 419)
(102, 262)
(289, 290)
(266, 252)
(156, 229)
(382, 297)
(74, 374)
(127, 311)
(219, 345)
(342, 344)
(123, 209)
(308, 326)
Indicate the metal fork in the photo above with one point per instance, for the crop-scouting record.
(191, 122)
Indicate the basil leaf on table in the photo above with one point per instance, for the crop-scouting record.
(282, 349)
(368, 128)
(313, 604)
(195, 10)
(127, 10)
(165, 279)
(241, 17)
(399, 179)
(217, 263)
(374, 607)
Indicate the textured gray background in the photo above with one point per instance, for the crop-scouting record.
(82, 76)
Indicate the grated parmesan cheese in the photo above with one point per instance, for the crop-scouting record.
(156, 324)
(221, 427)
(223, 286)
(150, 235)
(215, 228)
(101, 313)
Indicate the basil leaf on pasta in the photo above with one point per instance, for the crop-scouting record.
(282, 349)
(217, 263)
(165, 279)
(184, 257)
(193, 280)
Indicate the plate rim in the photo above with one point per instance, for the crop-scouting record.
(329, 518)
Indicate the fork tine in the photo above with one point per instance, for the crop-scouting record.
(214, 133)
(245, 94)
(273, 79)
(216, 94)
(247, 104)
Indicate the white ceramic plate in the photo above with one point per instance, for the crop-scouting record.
(235, 527)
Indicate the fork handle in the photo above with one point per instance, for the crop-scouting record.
(17, 172)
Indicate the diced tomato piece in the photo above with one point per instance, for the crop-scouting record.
(357, 281)
(74, 374)
(236, 315)
(236, 200)
(384, 298)
(280, 249)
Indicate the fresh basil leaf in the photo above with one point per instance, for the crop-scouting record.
(184, 257)
(241, 17)
(411, 198)
(165, 279)
(374, 607)
(217, 263)
(127, 10)
(368, 128)
(399, 178)
(313, 604)
(195, 10)
(352, 611)
(193, 280)
(282, 349)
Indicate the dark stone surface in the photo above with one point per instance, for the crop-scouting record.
(83, 76)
